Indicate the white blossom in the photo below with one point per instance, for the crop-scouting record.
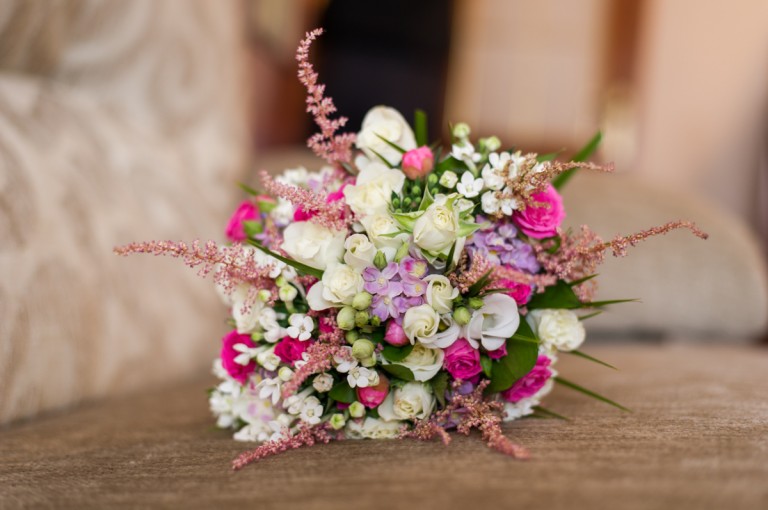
(311, 411)
(270, 389)
(469, 185)
(345, 364)
(301, 326)
(362, 377)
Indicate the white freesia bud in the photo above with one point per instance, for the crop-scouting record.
(312, 244)
(287, 293)
(360, 251)
(557, 329)
(437, 228)
(440, 293)
(420, 322)
(449, 179)
(385, 122)
(413, 401)
(323, 382)
(490, 202)
(461, 130)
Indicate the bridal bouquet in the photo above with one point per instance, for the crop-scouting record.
(402, 291)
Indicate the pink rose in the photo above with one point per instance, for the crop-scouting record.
(498, 353)
(372, 396)
(245, 212)
(418, 162)
(530, 383)
(541, 222)
(395, 335)
(520, 292)
(237, 371)
(290, 349)
(462, 361)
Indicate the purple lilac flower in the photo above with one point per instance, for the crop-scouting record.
(395, 289)
(500, 245)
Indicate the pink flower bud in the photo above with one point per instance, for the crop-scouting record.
(372, 396)
(245, 212)
(418, 162)
(395, 335)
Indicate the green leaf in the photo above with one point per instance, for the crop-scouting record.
(466, 228)
(584, 154)
(590, 358)
(589, 393)
(382, 158)
(420, 127)
(399, 371)
(395, 354)
(439, 386)
(582, 280)
(252, 228)
(559, 295)
(547, 413)
(590, 315)
(248, 189)
(525, 333)
(392, 144)
(342, 392)
(547, 157)
(520, 359)
(407, 220)
(598, 304)
(476, 287)
(298, 266)
(426, 200)
(487, 365)
(449, 258)
(266, 206)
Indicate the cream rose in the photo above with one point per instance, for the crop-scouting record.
(312, 244)
(557, 329)
(360, 251)
(424, 362)
(378, 226)
(412, 401)
(372, 428)
(386, 122)
(372, 191)
(339, 285)
(437, 228)
(440, 293)
(420, 322)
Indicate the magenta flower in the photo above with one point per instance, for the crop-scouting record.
(246, 211)
(498, 353)
(462, 360)
(520, 292)
(418, 162)
(530, 383)
(542, 221)
(372, 396)
(395, 334)
(237, 371)
(289, 350)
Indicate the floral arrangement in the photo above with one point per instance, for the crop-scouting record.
(401, 291)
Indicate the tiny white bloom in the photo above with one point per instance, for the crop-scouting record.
(448, 179)
(508, 204)
(490, 202)
(301, 326)
(268, 322)
(270, 389)
(345, 364)
(268, 359)
(246, 353)
(362, 377)
(295, 403)
(469, 185)
(301, 362)
(323, 382)
(311, 411)
(463, 150)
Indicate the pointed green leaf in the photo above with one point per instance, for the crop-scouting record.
(439, 386)
(426, 200)
(382, 158)
(466, 229)
(392, 144)
(252, 228)
(582, 280)
(487, 365)
(395, 354)
(590, 358)
(547, 412)
(590, 315)
(598, 304)
(248, 189)
(342, 392)
(476, 287)
(407, 220)
(298, 266)
(420, 127)
(584, 154)
(520, 359)
(399, 371)
(560, 295)
(589, 393)
(449, 258)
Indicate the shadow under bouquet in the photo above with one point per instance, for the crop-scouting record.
(404, 290)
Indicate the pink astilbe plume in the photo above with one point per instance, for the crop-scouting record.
(328, 214)
(619, 244)
(573, 260)
(332, 147)
(306, 435)
(468, 271)
(233, 264)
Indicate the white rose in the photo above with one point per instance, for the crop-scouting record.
(372, 428)
(339, 285)
(440, 293)
(492, 324)
(372, 191)
(386, 122)
(424, 362)
(420, 322)
(312, 244)
(413, 401)
(557, 329)
(436, 229)
(377, 226)
(360, 251)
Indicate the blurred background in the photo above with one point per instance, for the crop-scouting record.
(125, 120)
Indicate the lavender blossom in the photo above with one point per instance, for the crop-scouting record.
(499, 245)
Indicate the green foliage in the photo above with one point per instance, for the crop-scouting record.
(343, 393)
(399, 371)
(392, 144)
(480, 284)
(583, 155)
(420, 127)
(439, 386)
(520, 359)
(487, 365)
(590, 358)
(248, 189)
(252, 228)
(298, 266)
(589, 393)
(559, 295)
(395, 354)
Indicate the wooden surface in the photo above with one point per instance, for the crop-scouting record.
(698, 438)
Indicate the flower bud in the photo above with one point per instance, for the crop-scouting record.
(380, 260)
(287, 293)
(346, 318)
(417, 163)
(264, 295)
(449, 179)
(361, 319)
(285, 374)
(280, 281)
(475, 303)
(337, 421)
(362, 300)
(356, 409)
(416, 191)
(257, 336)
(461, 130)
(323, 382)
(362, 349)
(402, 252)
(462, 316)
(375, 321)
(351, 336)
(372, 396)
(492, 143)
(395, 335)
(369, 362)
(432, 179)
